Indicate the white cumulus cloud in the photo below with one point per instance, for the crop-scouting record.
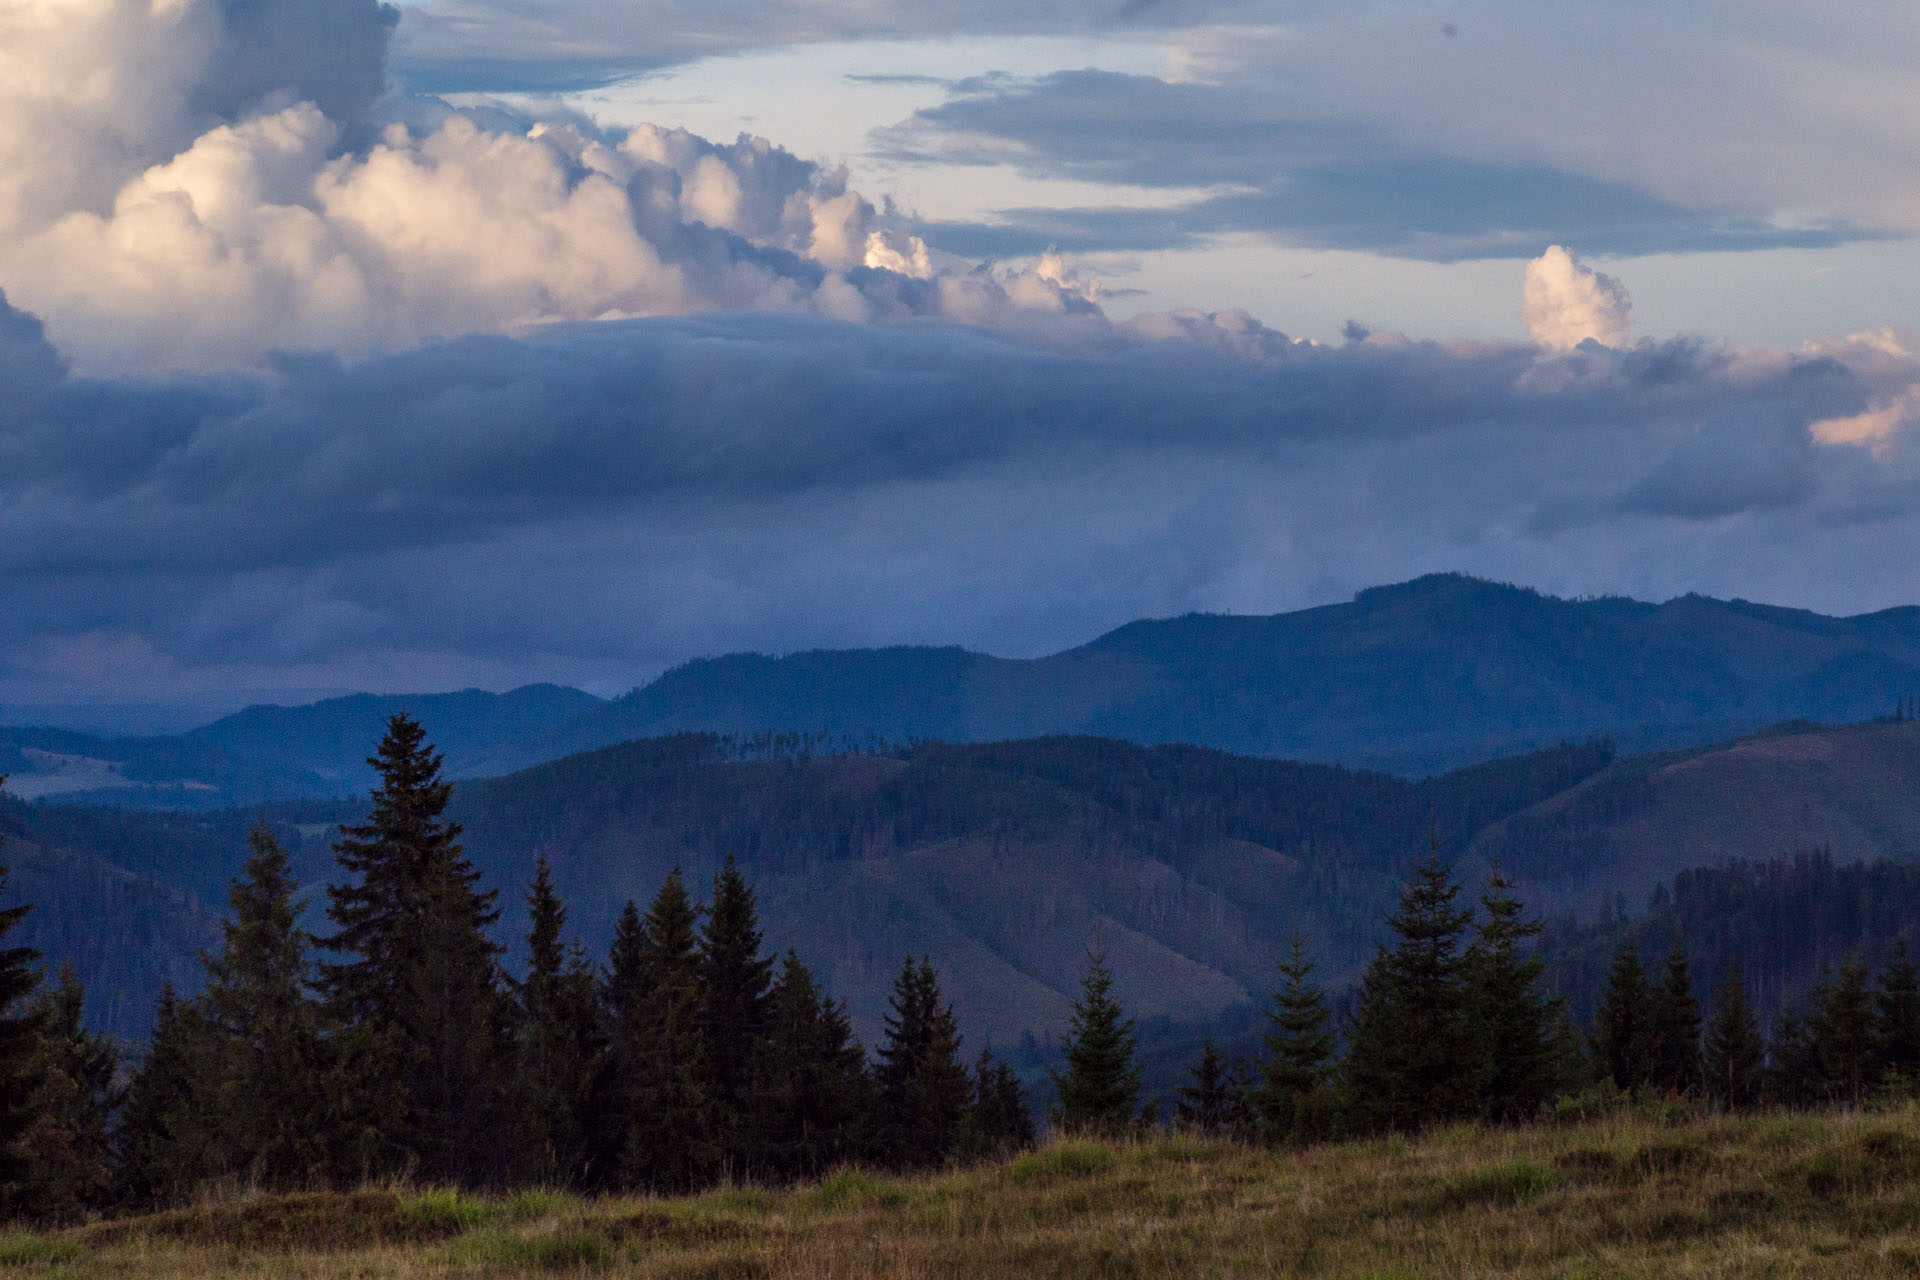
(196, 183)
(1565, 302)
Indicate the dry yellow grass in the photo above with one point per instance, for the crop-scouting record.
(1800, 1196)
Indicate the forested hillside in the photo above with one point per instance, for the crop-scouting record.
(1005, 861)
(1854, 790)
(1791, 923)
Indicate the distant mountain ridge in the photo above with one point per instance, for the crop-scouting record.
(1413, 679)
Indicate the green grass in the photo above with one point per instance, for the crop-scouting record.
(1833, 1196)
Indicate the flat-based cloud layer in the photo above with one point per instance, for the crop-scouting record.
(592, 502)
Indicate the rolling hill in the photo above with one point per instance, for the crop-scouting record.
(1412, 679)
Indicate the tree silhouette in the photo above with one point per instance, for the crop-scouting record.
(1099, 1092)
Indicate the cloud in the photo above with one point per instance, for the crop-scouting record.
(1268, 163)
(198, 184)
(1721, 124)
(1746, 459)
(592, 502)
(1566, 303)
(490, 46)
(332, 53)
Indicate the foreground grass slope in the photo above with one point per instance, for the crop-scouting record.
(1778, 1195)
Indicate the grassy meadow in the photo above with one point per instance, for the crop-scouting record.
(1776, 1195)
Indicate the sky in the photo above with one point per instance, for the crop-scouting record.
(475, 343)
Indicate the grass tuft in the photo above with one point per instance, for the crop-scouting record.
(18, 1250)
(1512, 1183)
(1062, 1160)
(854, 1189)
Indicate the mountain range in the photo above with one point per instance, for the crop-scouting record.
(1413, 679)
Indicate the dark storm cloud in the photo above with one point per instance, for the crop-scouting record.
(332, 53)
(1313, 182)
(613, 497)
(1751, 458)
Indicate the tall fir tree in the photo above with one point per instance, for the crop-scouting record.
(420, 988)
(810, 1098)
(1843, 1034)
(924, 1089)
(734, 983)
(269, 1058)
(1623, 1035)
(556, 1036)
(1510, 1017)
(1099, 1092)
(617, 1105)
(1675, 1028)
(1299, 1050)
(663, 1121)
(1734, 1056)
(21, 1022)
(1411, 1058)
(1896, 1018)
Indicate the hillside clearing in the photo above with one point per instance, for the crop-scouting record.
(1778, 1195)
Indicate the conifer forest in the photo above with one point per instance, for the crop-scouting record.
(374, 1029)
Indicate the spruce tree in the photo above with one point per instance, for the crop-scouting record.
(734, 983)
(1510, 1018)
(1299, 1049)
(924, 1090)
(556, 1036)
(1099, 1092)
(1571, 1068)
(70, 1169)
(1794, 1078)
(1675, 1028)
(999, 1121)
(1896, 1023)
(616, 1104)
(1204, 1105)
(267, 1053)
(420, 988)
(809, 1098)
(1623, 1034)
(1734, 1056)
(1843, 1034)
(1411, 1059)
(663, 1121)
(20, 1058)
(168, 1140)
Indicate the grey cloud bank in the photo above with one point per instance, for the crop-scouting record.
(593, 502)
(1286, 169)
